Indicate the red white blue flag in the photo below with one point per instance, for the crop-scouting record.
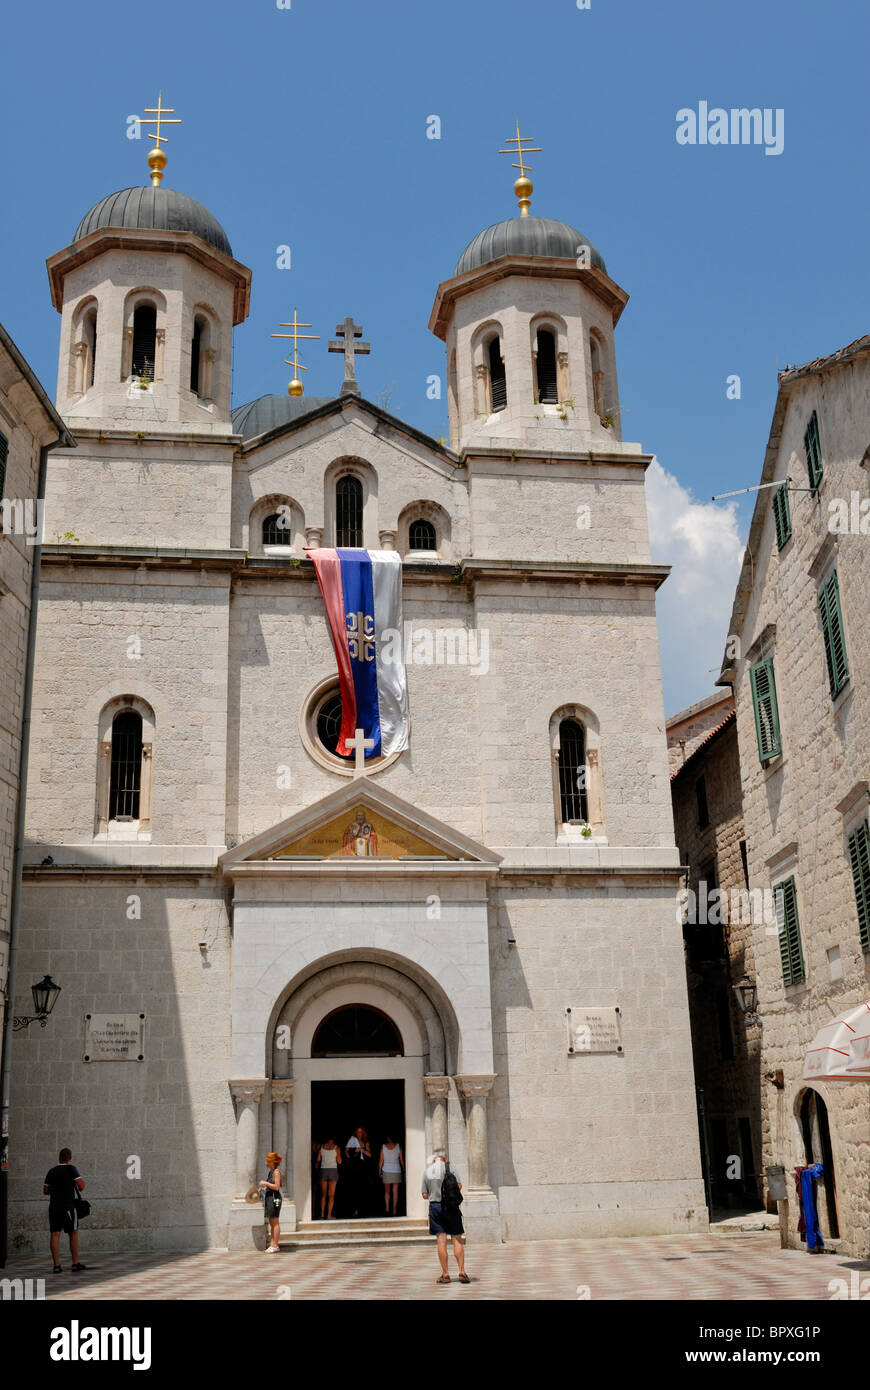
(362, 592)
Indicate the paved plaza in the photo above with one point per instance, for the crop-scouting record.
(734, 1266)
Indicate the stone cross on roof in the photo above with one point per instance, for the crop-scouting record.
(347, 332)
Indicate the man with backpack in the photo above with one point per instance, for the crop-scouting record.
(443, 1191)
(62, 1187)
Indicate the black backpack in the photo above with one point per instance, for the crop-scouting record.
(450, 1194)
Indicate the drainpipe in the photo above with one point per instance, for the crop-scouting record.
(65, 440)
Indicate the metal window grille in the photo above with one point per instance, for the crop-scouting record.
(422, 535)
(126, 773)
(276, 529)
(144, 341)
(572, 772)
(329, 722)
(498, 382)
(348, 512)
(546, 368)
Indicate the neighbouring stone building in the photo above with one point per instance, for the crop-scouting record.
(798, 660)
(29, 427)
(495, 962)
(708, 820)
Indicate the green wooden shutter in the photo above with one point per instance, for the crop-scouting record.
(789, 928)
(859, 855)
(767, 732)
(781, 515)
(4, 455)
(833, 632)
(813, 451)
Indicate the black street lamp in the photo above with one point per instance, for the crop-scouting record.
(44, 999)
(747, 996)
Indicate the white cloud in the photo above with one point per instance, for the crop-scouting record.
(701, 543)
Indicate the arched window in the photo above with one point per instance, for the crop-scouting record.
(89, 338)
(195, 353)
(349, 512)
(144, 341)
(597, 376)
(572, 772)
(497, 379)
(125, 781)
(548, 393)
(817, 1146)
(276, 529)
(421, 536)
(357, 1030)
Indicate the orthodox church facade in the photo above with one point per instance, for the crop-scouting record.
(472, 942)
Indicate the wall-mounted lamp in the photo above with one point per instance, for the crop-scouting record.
(44, 999)
(747, 998)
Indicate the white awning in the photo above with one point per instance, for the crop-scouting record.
(841, 1050)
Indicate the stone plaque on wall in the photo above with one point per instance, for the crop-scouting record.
(114, 1038)
(594, 1029)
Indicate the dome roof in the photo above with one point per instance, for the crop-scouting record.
(526, 236)
(155, 209)
(270, 412)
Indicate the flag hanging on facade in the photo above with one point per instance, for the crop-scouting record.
(362, 593)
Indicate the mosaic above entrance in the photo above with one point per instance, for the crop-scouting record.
(360, 834)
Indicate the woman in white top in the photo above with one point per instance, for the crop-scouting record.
(392, 1171)
(357, 1152)
(328, 1159)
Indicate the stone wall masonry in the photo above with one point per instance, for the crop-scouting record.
(174, 1110)
(794, 800)
(86, 622)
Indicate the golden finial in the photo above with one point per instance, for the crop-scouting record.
(523, 185)
(156, 157)
(295, 388)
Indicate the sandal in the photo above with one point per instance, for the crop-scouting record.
(58, 1269)
(445, 1279)
(463, 1278)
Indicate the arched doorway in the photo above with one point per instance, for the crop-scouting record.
(817, 1149)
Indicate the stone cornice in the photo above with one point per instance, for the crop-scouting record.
(149, 557)
(361, 868)
(141, 438)
(530, 268)
(595, 572)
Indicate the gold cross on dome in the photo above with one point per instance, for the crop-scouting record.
(295, 388)
(523, 185)
(163, 115)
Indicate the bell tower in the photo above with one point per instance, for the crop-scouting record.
(527, 320)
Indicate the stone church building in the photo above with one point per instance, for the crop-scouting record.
(472, 942)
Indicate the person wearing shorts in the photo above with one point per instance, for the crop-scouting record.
(392, 1170)
(270, 1191)
(328, 1157)
(444, 1221)
(62, 1182)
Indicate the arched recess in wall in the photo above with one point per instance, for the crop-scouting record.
(204, 352)
(575, 754)
(276, 526)
(414, 521)
(350, 504)
(83, 346)
(490, 379)
(599, 365)
(818, 1147)
(143, 348)
(125, 747)
(548, 343)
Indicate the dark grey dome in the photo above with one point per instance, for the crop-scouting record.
(526, 236)
(270, 412)
(155, 209)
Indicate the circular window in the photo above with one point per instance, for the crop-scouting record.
(320, 726)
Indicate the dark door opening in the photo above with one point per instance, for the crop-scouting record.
(337, 1109)
(817, 1143)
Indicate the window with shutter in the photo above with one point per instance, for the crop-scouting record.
(497, 379)
(144, 341)
(4, 456)
(831, 615)
(789, 929)
(782, 515)
(545, 365)
(764, 703)
(813, 451)
(859, 856)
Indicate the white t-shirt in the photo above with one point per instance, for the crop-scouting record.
(391, 1159)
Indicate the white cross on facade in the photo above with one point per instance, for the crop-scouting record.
(359, 743)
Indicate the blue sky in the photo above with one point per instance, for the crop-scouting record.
(307, 126)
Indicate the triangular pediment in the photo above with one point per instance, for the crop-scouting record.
(359, 824)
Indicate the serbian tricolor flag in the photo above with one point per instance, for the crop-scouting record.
(362, 591)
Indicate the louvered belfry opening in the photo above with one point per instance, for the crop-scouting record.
(572, 763)
(276, 529)
(548, 393)
(497, 379)
(195, 350)
(349, 512)
(126, 773)
(144, 341)
(422, 535)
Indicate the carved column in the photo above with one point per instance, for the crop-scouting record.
(314, 537)
(159, 353)
(81, 371)
(282, 1129)
(387, 540)
(247, 1096)
(474, 1090)
(437, 1089)
(206, 373)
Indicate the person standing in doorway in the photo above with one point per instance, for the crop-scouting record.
(62, 1185)
(392, 1170)
(270, 1191)
(358, 1153)
(441, 1190)
(328, 1159)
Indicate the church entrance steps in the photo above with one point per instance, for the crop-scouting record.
(394, 1230)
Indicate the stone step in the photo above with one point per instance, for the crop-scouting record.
(399, 1230)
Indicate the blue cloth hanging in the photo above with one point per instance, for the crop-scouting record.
(808, 1197)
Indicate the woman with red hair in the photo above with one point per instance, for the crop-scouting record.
(270, 1192)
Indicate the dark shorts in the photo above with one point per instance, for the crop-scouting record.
(272, 1204)
(445, 1221)
(60, 1219)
